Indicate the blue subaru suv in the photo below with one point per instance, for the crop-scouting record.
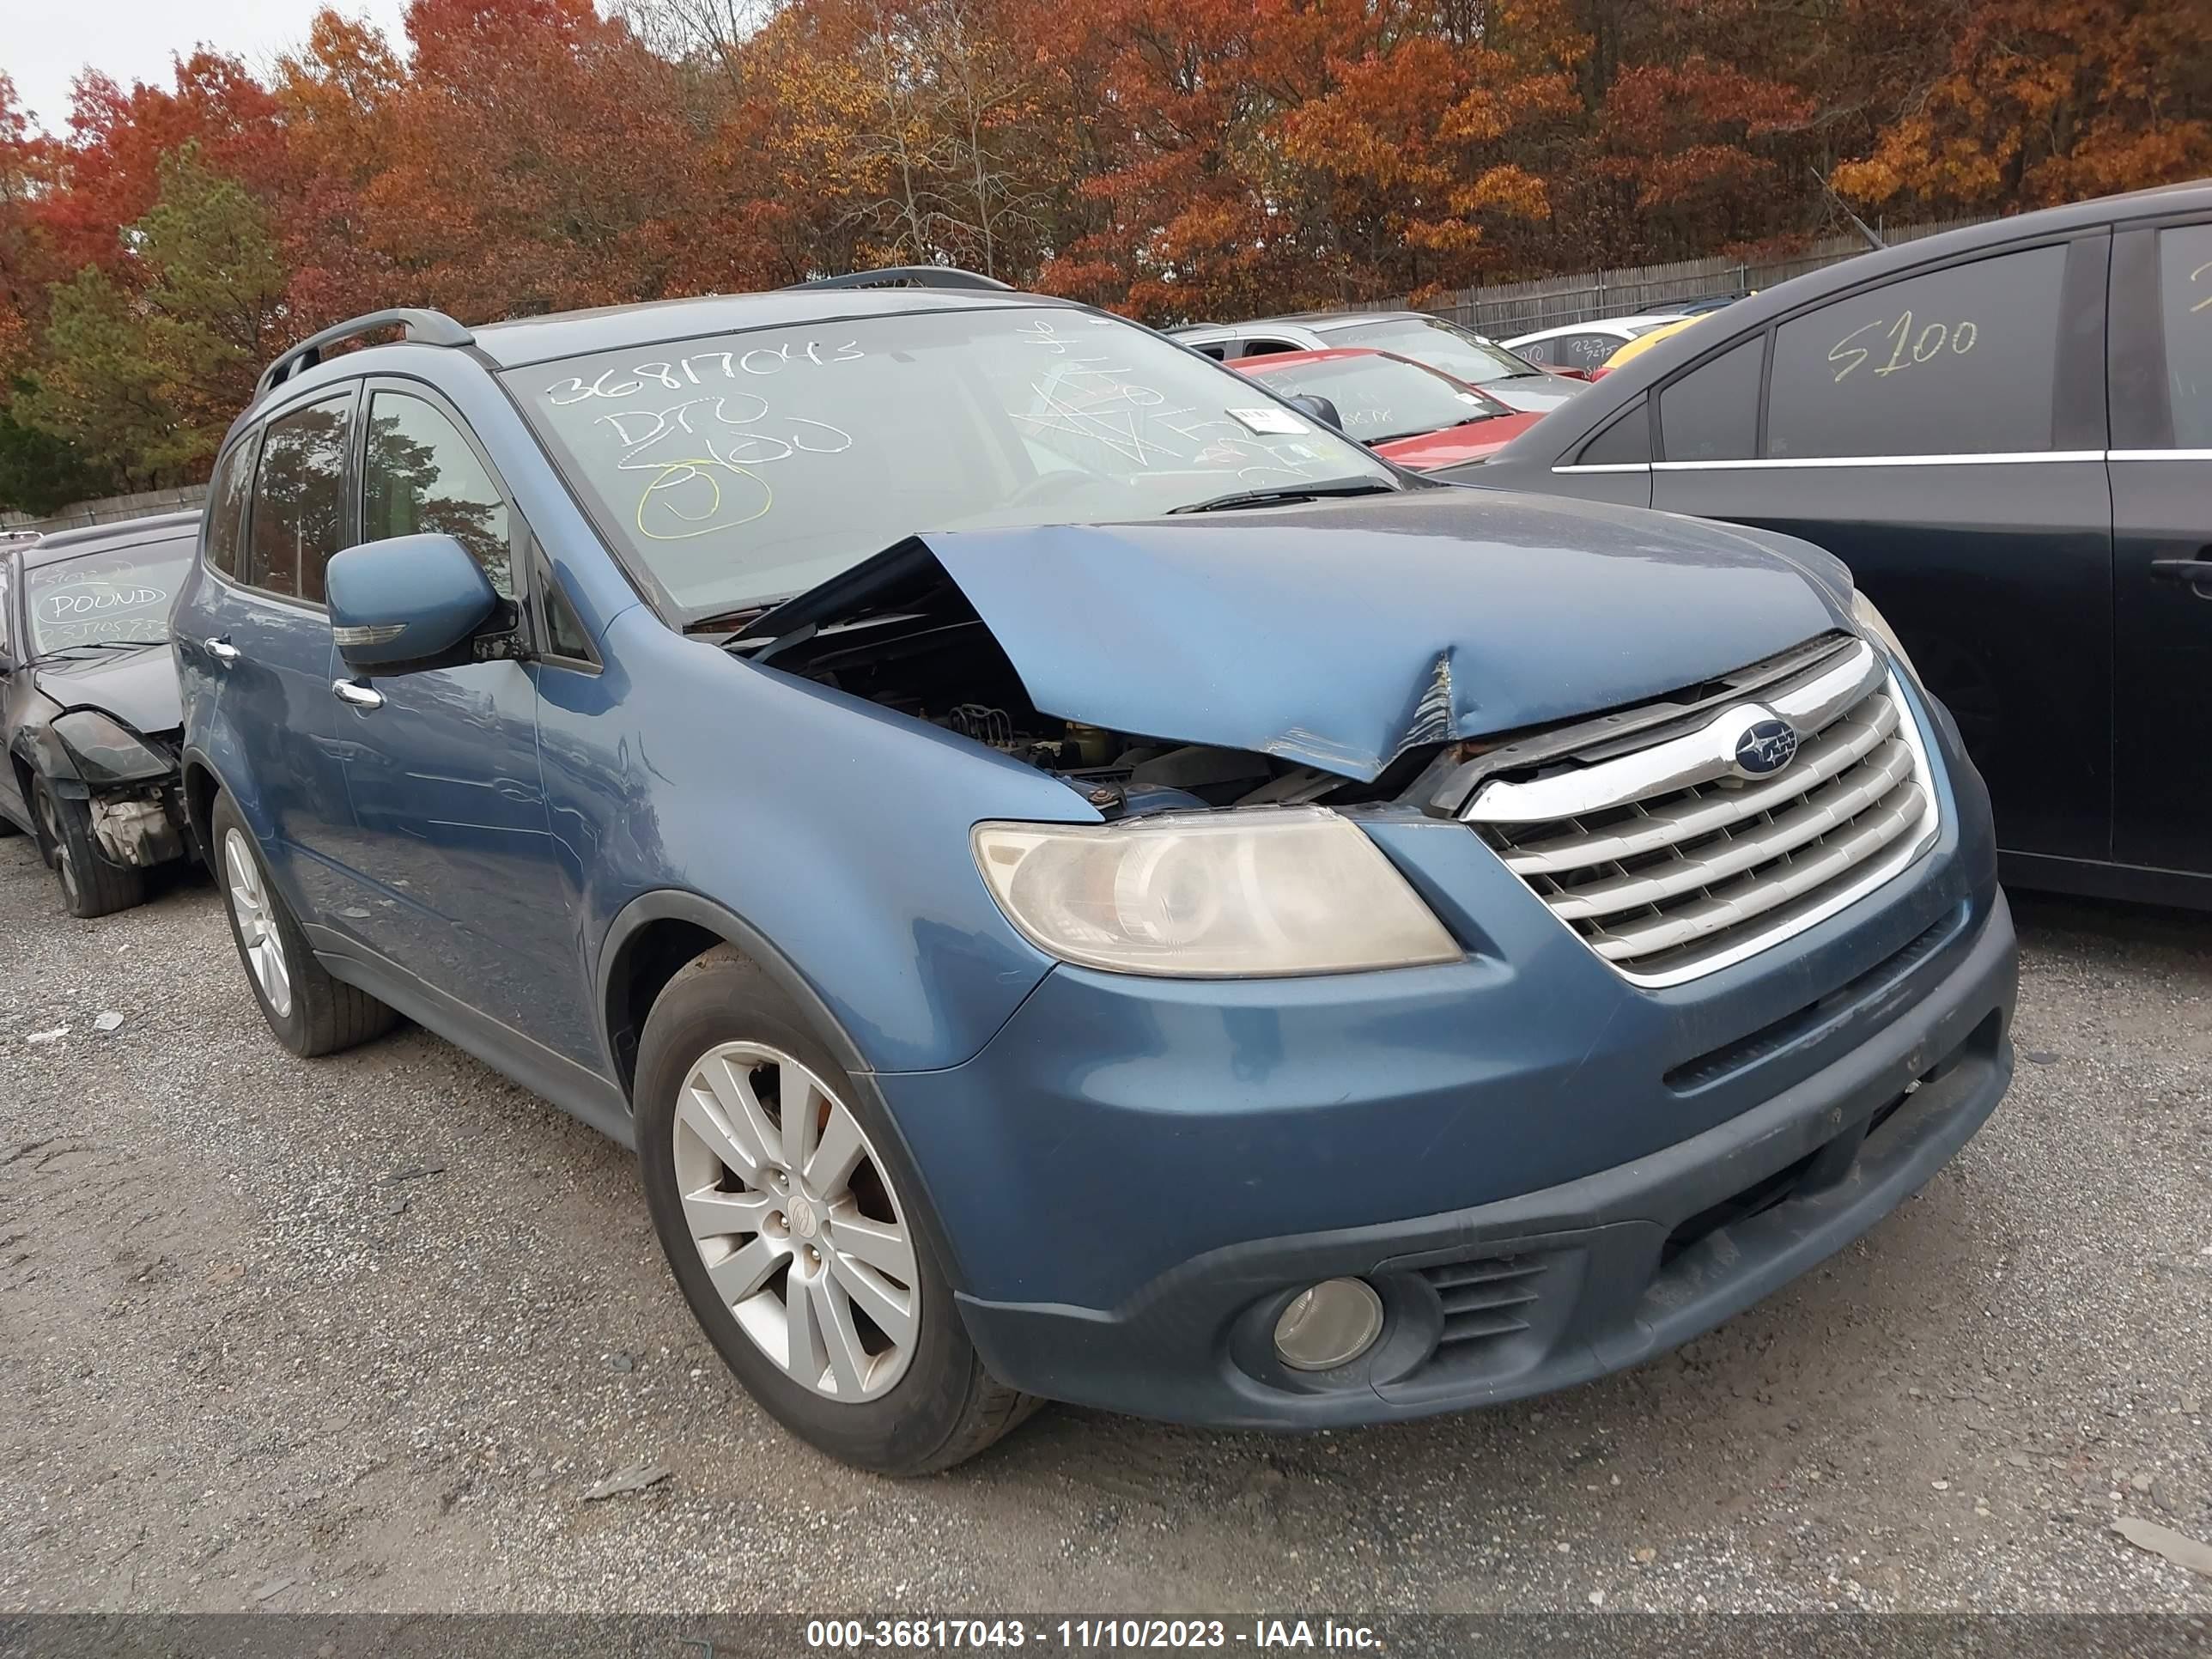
(1077, 881)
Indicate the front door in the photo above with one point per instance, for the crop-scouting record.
(2161, 468)
(451, 844)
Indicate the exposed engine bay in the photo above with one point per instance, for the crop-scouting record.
(917, 646)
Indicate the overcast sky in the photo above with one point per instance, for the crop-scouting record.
(46, 44)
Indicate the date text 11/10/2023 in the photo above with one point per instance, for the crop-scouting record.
(1085, 1635)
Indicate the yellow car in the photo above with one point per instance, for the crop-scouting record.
(1641, 343)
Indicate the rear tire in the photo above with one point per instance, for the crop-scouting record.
(308, 1011)
(909, 1406)
(91, 886)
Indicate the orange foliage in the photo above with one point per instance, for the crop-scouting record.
(1172, 158)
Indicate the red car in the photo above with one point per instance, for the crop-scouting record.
(1419, 416)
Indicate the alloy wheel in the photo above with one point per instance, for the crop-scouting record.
(795, 1220)
(257, 924)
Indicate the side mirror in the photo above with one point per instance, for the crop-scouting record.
(1320, 408)
(412, 602)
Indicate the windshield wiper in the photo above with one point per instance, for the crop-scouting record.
(730, 622)
(1285, 493)
(106, 645)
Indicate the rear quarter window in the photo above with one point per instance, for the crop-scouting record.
(228, 493)
(1957, 361)
(1712, 414)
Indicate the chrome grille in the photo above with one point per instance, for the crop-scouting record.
(1669, 864)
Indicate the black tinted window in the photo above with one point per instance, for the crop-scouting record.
(421, 474)
(299, 498)
(227, 496)
(1626, 442)
(2184, 259)
(1957, 361)
(564, 629)
(1712, 414)
(1539, 351)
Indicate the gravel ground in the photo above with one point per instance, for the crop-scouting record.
(361, 1334)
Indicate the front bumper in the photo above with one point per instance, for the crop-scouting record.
(1554, 1287)
(1547, 1171)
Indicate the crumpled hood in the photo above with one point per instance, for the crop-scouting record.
(138, 688)
(1339, 635)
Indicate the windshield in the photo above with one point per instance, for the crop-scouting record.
(105, 597)
(750, 467)
(1440, 344)
(1382, 397)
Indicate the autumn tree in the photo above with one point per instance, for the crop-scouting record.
(142, 373)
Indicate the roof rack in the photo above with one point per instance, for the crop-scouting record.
(912, 277)
(430, 327)
(94, 532)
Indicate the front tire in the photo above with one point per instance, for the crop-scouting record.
(91, 886)
(793, 1237)
(308, 1011)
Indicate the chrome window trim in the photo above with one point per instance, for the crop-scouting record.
(1605, 466)
(2158, 454)
(2022, 458)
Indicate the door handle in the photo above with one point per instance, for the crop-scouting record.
(2196, 572)
(222, 650)
(356, 695)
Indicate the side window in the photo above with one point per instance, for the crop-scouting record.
(226, 529)
(422, 475)
(1626, 442)
(1712, 414)
(1216, 350)
(1539, 351)
(1266, 347)
(298, 499)
(1585, 350)
(2184, 262)
(1958, 361)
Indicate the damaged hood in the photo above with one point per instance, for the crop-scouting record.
(1338, 635)
(138, 688)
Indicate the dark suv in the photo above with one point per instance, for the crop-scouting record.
(1076, 880)
(89, 716)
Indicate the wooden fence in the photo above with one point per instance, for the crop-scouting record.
(1501, 310)
(110, 509)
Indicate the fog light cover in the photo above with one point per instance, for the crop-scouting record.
(1329, 1324)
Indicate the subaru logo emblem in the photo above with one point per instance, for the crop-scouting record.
(1766, 747)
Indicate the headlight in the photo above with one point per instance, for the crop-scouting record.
(1864, 614)
(1262, 891)
(104, 752)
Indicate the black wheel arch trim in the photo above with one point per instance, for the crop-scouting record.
(676, 904)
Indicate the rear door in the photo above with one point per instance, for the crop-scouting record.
(1943, 433)
(270, 648)
(2161, 471)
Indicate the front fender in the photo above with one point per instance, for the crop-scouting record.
(835, 832)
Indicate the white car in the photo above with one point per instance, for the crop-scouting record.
(1585, 346)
